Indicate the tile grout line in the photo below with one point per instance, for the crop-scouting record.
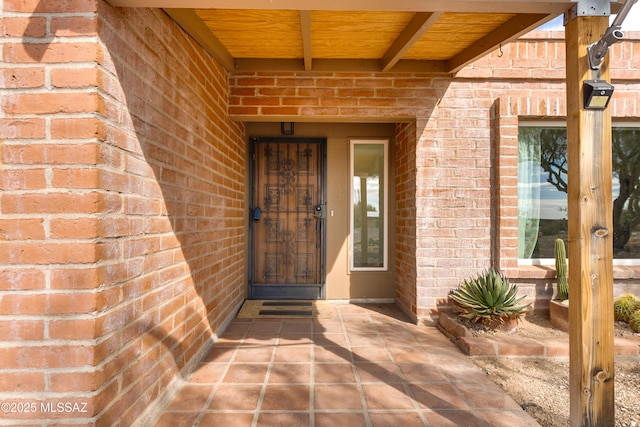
(215, 388)
(312, 377)
(404, 382)
(363, 399)
(390, 350)
(265, 382)
(453, 383)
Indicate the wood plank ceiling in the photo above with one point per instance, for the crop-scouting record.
(352, 35)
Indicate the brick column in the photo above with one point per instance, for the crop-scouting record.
(122, 215)
(406, 217)
(50, 207)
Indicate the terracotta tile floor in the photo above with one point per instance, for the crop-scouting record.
(366, 366)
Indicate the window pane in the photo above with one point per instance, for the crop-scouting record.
(626, 192)
(368, 214)
(542, 190)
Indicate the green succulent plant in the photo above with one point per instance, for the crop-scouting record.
(561, 270)
(488, 298)
(634, 321)
(624, 306)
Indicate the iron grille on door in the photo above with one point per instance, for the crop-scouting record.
(287, 219)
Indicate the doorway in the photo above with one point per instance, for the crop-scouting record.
(288, 218)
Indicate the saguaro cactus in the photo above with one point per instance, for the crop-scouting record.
(561, 270)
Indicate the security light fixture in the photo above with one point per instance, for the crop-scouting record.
(286, 128)
(597, 94)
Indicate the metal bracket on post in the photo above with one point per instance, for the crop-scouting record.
(598, 50)
(588, 8)
(614, 34)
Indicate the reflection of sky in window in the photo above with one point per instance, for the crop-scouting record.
(553, 202)
(373, 193)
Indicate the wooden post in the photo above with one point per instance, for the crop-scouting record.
(590, 235)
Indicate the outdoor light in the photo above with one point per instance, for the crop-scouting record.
(597, 94)
(286, 128)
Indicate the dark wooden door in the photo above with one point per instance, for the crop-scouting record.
(287, 219)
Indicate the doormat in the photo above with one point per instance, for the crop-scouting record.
(289, 309)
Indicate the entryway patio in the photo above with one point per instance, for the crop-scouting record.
(367, 365)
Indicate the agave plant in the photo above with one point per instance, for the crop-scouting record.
(488, 298)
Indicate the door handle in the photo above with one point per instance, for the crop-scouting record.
(318, 211)
(256, 213)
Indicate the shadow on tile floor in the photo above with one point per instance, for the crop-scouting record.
(367, 365)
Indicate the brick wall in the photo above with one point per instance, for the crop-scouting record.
(405, 179)
(122, 213)
(122, 208)
(527, 81)
(50, 205)
(465, 165)
(359, 97)
(444, 166)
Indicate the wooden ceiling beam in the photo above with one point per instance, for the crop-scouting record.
(415, 29)
(192, 24)
(510, 30)
(555, 7)
(305, 24)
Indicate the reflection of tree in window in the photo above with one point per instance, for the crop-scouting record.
(626, 183)
(626, 166)
(554, 156)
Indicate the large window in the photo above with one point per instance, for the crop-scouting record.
(542, 190)
(368, 205)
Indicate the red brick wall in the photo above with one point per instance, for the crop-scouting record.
(444, 165)
(454, 197)
(405, 179)
(122, 213)
(465, 150)
(49, 210)
(122, 209)
(527, 79)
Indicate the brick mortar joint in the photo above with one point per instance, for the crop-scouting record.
(35, 142)
(33, 14)
(47, 317)
(50, 90)
(46, 395)
(52, 342)
(52, 38)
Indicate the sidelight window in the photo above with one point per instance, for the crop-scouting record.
(369, 211)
